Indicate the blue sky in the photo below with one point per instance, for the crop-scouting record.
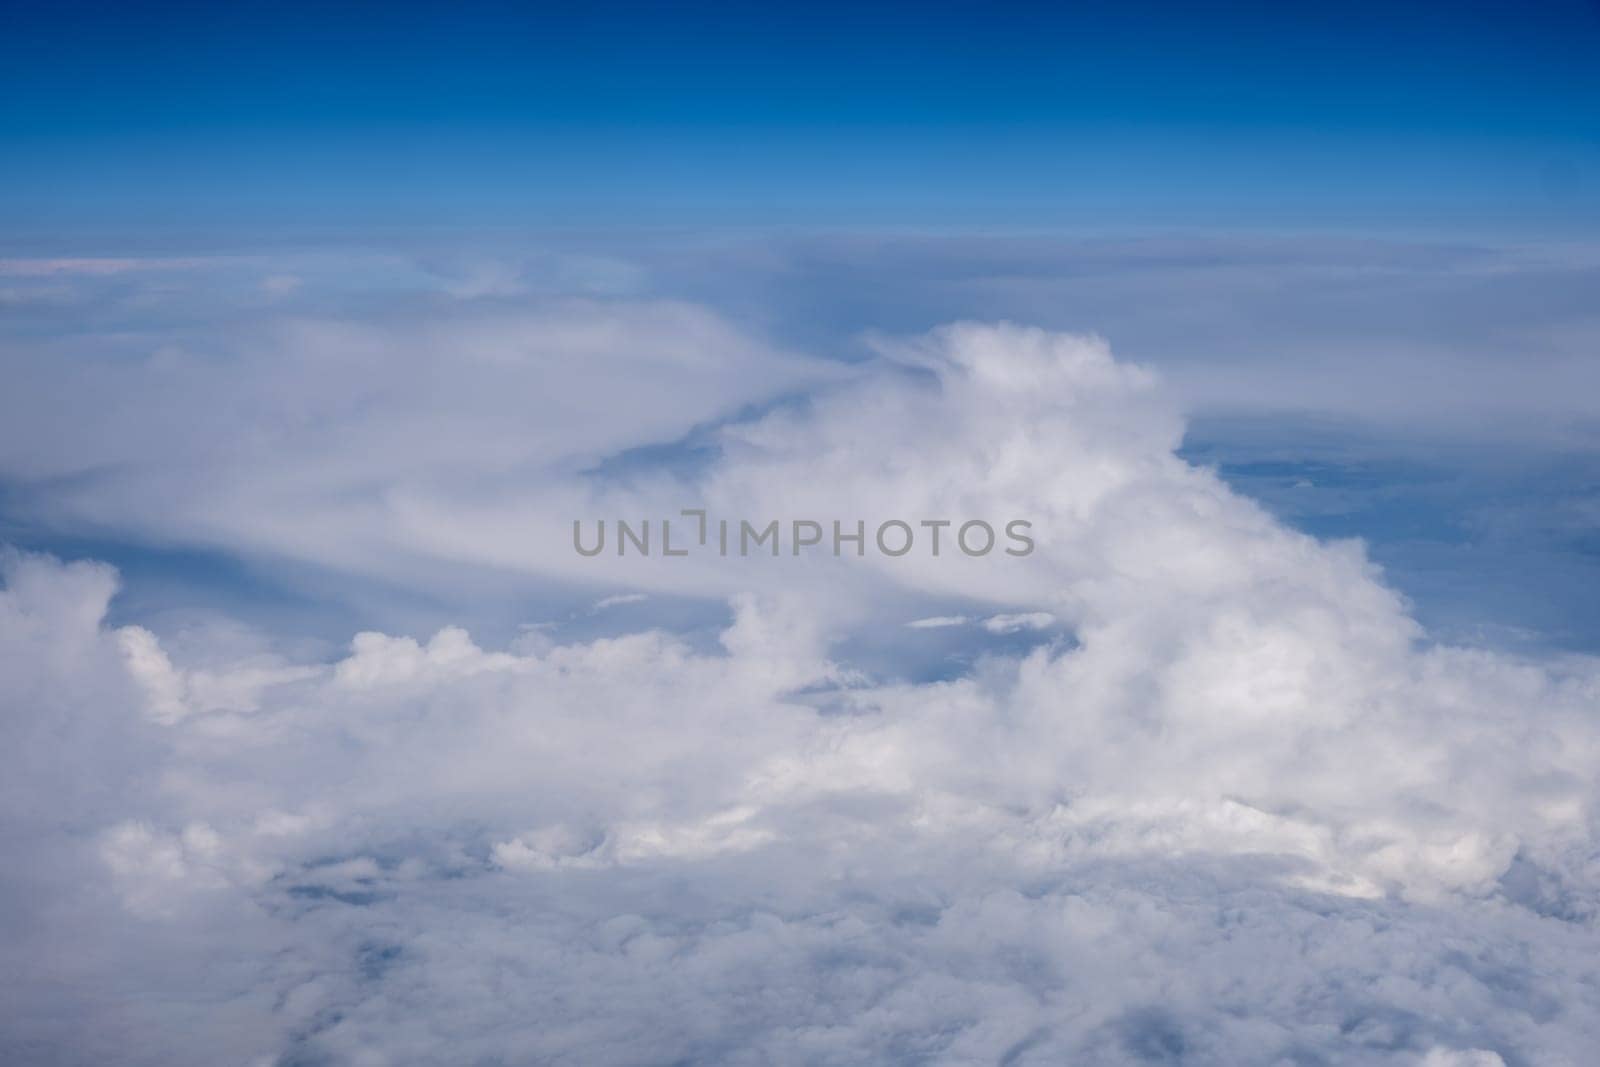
(1477, 117)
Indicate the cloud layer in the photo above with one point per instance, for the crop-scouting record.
(1225, 803)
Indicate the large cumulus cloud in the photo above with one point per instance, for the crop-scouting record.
(1232, 806)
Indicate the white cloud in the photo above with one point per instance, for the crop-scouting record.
(1251, 814)
(938, 622)
(619, 600)
(361, 446)
(1010, 624)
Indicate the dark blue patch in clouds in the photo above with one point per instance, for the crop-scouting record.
(358, 898)
(1494, 543)
(158, 579)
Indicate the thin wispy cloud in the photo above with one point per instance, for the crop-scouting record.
(1010, 624)
(938, 622)
(619, 600)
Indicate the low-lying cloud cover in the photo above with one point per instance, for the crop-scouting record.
(1224, 802)
(330, 416)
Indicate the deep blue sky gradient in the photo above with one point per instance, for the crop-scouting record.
(1478, 116)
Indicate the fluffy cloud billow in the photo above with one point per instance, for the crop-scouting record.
(1222, 802)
